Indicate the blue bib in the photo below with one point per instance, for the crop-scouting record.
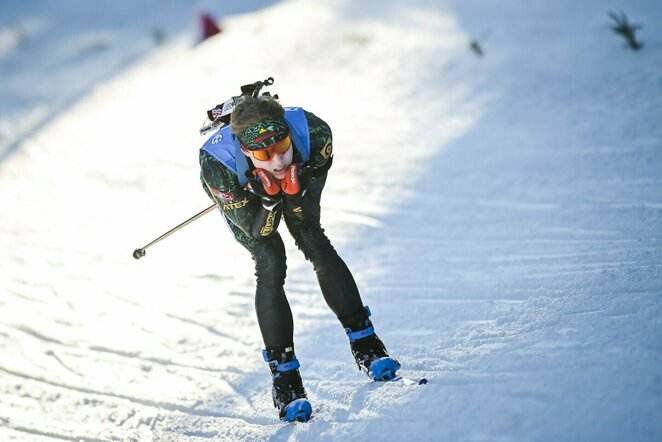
(225, 147)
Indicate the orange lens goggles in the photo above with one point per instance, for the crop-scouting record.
(267, 154)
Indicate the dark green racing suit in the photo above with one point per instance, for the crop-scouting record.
(241, 207)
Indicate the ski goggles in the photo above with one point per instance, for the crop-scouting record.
(268, 153)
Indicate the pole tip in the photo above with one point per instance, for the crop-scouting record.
(138, 253)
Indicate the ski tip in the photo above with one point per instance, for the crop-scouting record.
(299, 410)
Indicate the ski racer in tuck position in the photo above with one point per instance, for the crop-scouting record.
(271, 163)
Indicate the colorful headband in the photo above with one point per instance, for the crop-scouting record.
(264, 133)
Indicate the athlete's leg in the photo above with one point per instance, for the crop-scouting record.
(339, 288)
(274, 315)
(275, 319)
(335, 279)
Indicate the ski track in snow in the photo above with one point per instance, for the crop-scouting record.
(511, 252)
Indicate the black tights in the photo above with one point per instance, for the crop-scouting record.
(336, 281)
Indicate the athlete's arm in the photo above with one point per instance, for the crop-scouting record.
(321, 145)
(239, 206)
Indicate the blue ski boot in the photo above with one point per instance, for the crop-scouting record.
(368, 350)
(288, 392)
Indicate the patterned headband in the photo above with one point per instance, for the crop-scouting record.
(264, 133)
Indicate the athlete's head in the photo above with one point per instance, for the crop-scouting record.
(264, 135)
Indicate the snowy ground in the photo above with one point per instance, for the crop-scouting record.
(501, 214)
(53, 53)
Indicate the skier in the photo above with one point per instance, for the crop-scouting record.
(271, 163)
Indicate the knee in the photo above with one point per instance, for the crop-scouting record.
(270, 266)
(314, 244)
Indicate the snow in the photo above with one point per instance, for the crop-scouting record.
(501, 214)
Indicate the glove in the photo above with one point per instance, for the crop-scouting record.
(293, 193)
(291, 184)
(267, 217)
(267, 188)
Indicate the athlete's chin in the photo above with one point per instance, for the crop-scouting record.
(279, 174)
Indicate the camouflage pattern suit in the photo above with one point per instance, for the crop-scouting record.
(240, 206)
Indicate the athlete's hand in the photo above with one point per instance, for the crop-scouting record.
(267, 188)
(291, 184)
(292, 192)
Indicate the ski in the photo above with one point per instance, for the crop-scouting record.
(408, 381)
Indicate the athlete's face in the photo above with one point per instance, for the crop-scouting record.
(277, 165)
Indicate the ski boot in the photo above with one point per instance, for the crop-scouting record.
(368, 350)
(288, 392)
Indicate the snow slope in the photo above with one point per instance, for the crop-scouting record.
(43, 44)
(501, 214)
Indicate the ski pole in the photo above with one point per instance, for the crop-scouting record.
(139, 253)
